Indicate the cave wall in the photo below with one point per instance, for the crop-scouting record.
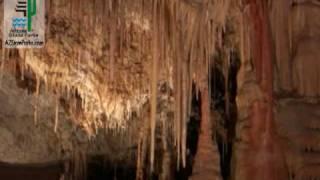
(294, 36)
(296, 33)
(258, 153)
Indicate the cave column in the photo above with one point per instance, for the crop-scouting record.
(258, 152)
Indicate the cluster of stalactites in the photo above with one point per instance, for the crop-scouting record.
(183, 36)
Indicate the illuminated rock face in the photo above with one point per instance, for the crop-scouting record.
(109, 76)
(85, 93)
(102, 54)
(99, 58)
(83, 57)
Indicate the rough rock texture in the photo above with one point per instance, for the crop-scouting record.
(298, 124)
(24, 141)
(307, 67)
(297, 43)
(296, 33)
(258, 154)
(21, 140)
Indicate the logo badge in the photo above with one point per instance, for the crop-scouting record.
(24, 24)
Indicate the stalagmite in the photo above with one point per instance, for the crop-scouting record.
(206, 165)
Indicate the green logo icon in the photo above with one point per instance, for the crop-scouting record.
(32, 11)
(28, 9)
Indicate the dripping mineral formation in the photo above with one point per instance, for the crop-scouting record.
(165, 89)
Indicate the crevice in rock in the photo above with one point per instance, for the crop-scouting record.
(192, 137)
(225, 125)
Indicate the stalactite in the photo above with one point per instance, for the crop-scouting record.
(166, 168)
(36, 106)
(184, 117)
(142, 145)
(113, 39)
(154, 81)
(80, 4)
(290, 31)
(178, 110)
(140, 160)
(46, 84)
(139, 172)
(56, 120)
(226, 82)
(22, 65)
(140, 155)
(242, 35)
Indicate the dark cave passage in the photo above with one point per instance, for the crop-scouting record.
(48, 171)
(99, 169)
(224, 131)
(192, 137)
(223, 101)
